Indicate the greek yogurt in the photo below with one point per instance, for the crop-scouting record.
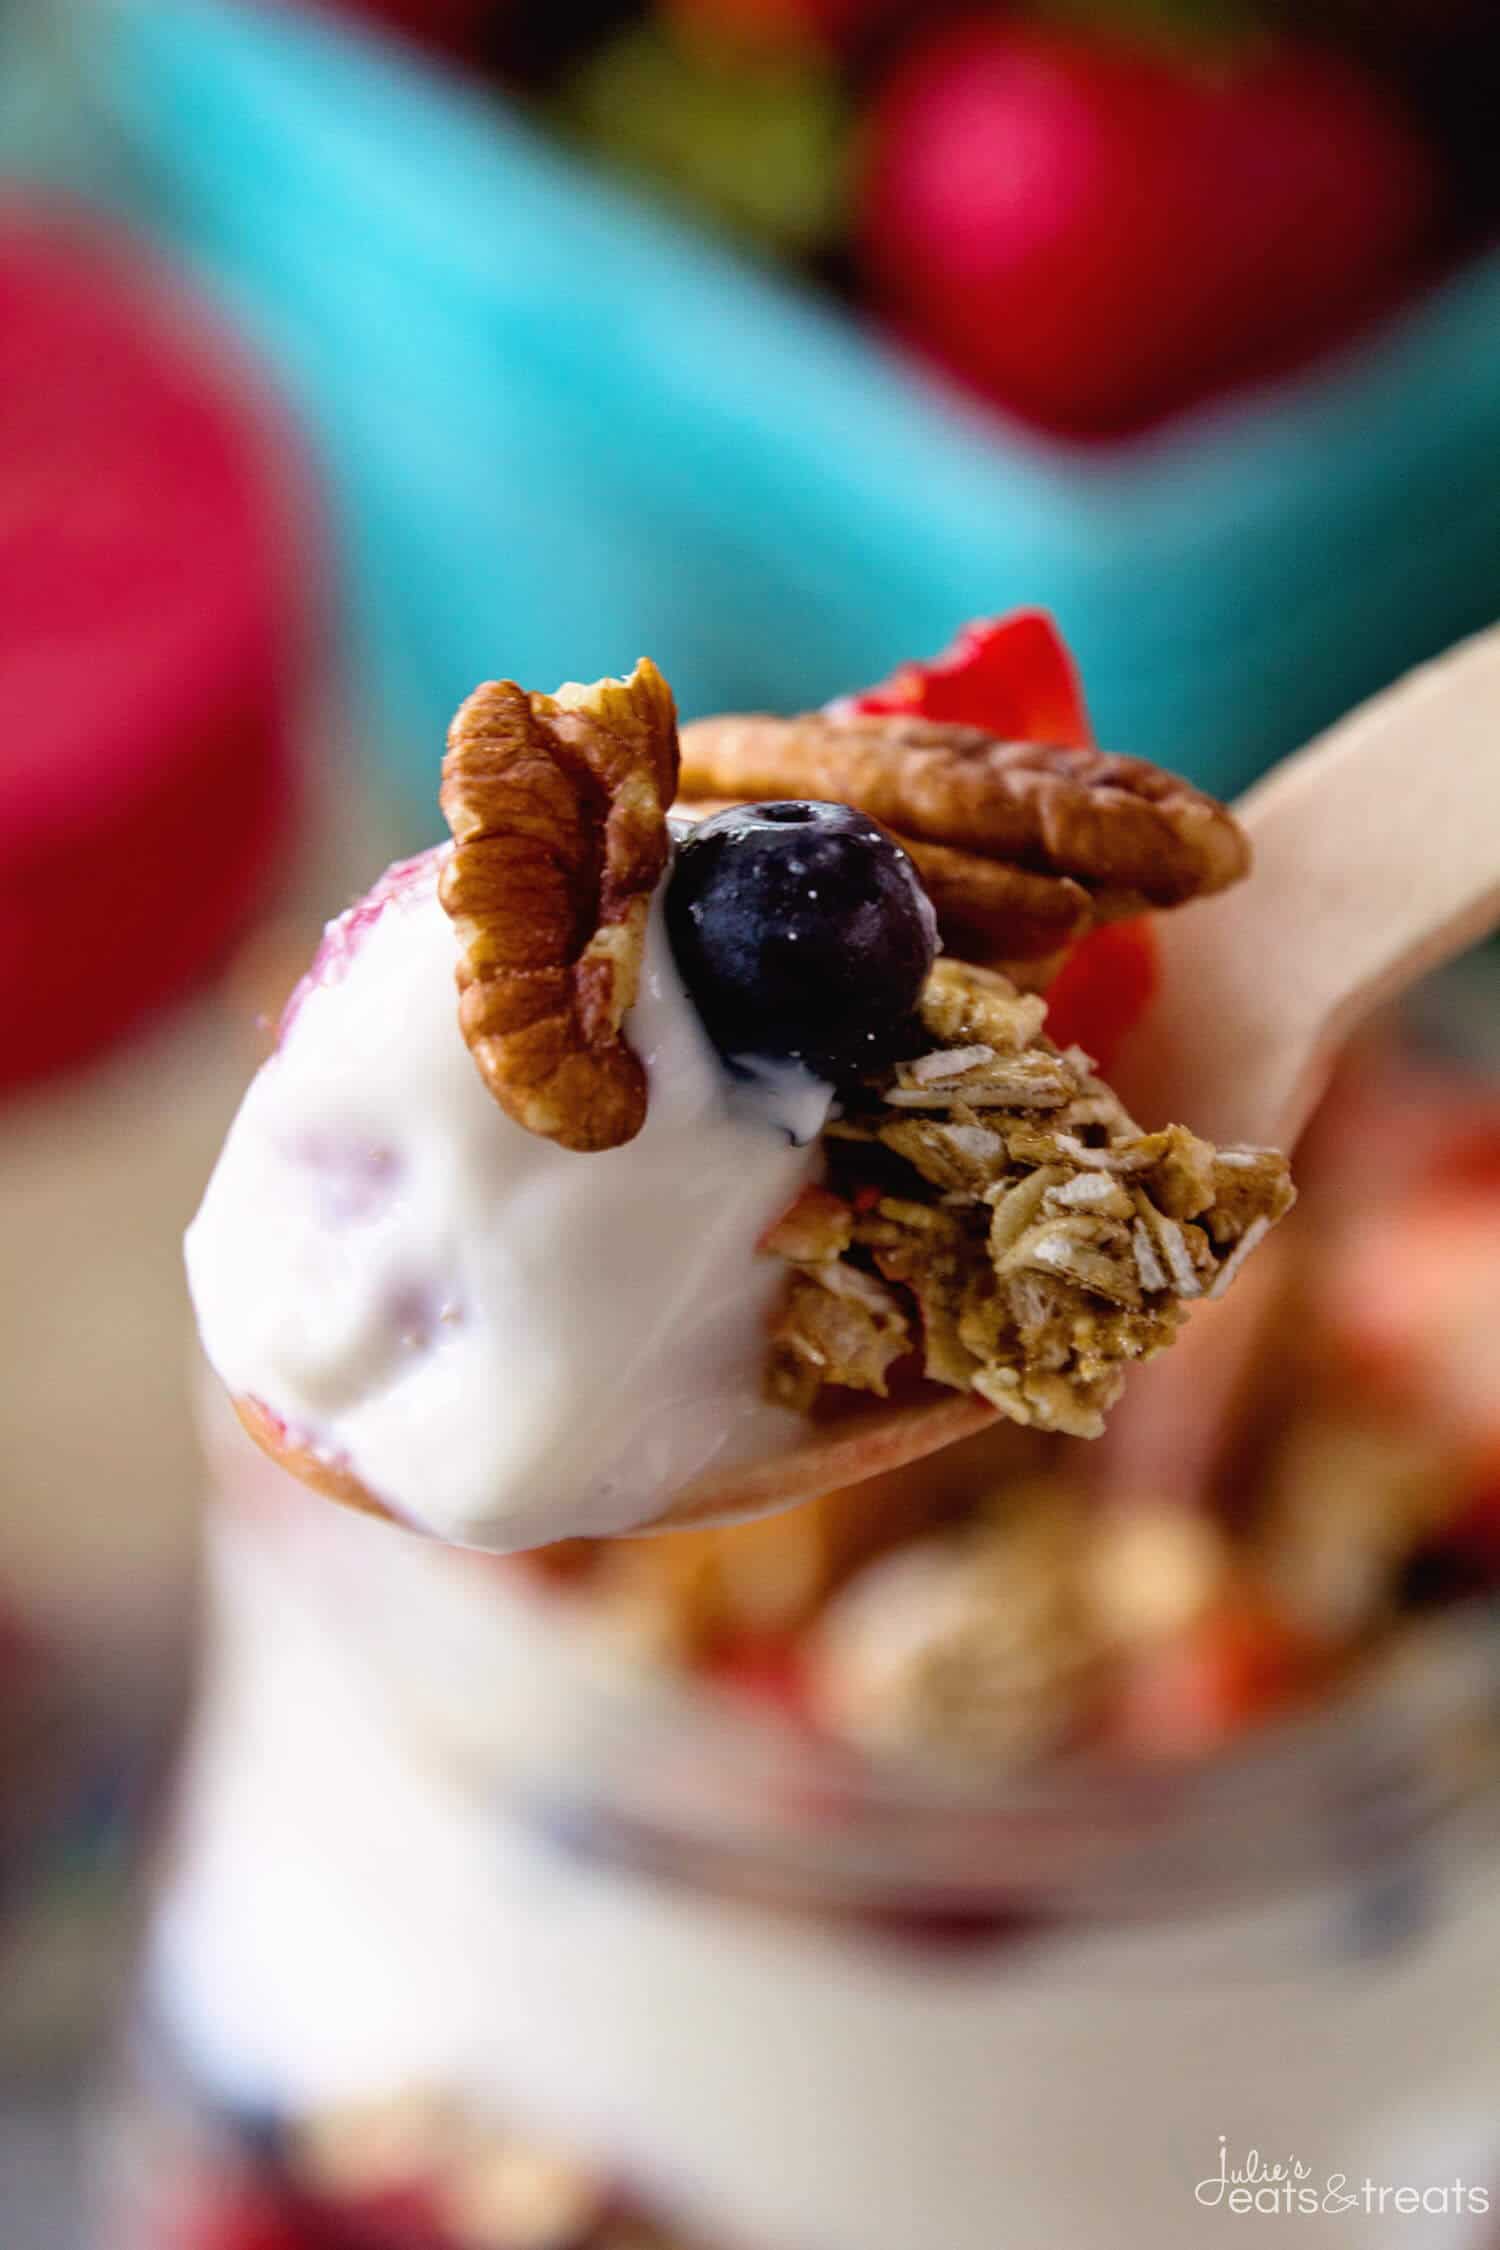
(506, 1342)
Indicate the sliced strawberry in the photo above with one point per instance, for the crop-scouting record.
(1413, 1304)
(766, 1669)
(240, 2216)
(1103, 989)
(1013, 676)
(1193, 1692)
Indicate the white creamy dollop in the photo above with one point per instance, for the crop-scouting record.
(506, 1342)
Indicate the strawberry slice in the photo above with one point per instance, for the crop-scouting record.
(1103, 989)
(1013, 676)
(1234, 1667)
(766, 1669)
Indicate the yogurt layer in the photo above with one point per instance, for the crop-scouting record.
(505, 1341)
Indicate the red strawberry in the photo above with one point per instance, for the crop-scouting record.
(239, 2216)
(1103, 989)
(1413, 1302)
(766, 1669)
(1012, 675)
(1193, 1692)
(153, 606)
(1095, 233)
(776, 25)
(1015, 677)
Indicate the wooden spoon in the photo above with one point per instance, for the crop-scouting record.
(1377, 858)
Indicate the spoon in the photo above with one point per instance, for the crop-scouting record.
(1376, 859)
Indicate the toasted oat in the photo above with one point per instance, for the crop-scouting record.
(965, 1005)
(837, 1325)
(558, 810)
(1016, 1224)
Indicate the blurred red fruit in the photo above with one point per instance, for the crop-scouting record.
(775, 26)
(453, 27)
(1413, 1303)
(1015, 677)
(766, 1669)
(239, 2216)
(1103, 989)
(1195, 1691)
(1096, 234)
(153, 612)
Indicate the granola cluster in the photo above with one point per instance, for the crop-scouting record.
(993, 1207)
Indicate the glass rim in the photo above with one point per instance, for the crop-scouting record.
(628, 1761)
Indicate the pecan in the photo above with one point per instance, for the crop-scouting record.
(1021, 845)
(558, 810)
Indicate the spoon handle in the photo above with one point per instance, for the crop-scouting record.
(1377, 857)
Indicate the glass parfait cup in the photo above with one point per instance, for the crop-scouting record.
(444, 1855)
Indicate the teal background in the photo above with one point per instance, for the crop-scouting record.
(560, 429)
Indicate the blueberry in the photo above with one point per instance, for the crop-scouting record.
(802, 933)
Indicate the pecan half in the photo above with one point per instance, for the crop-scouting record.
(1023, 845)
(558, 805)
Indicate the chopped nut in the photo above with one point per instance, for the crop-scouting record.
(1246, 1182)
(558, 810)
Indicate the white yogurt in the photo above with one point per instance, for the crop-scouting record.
(506, 1342)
